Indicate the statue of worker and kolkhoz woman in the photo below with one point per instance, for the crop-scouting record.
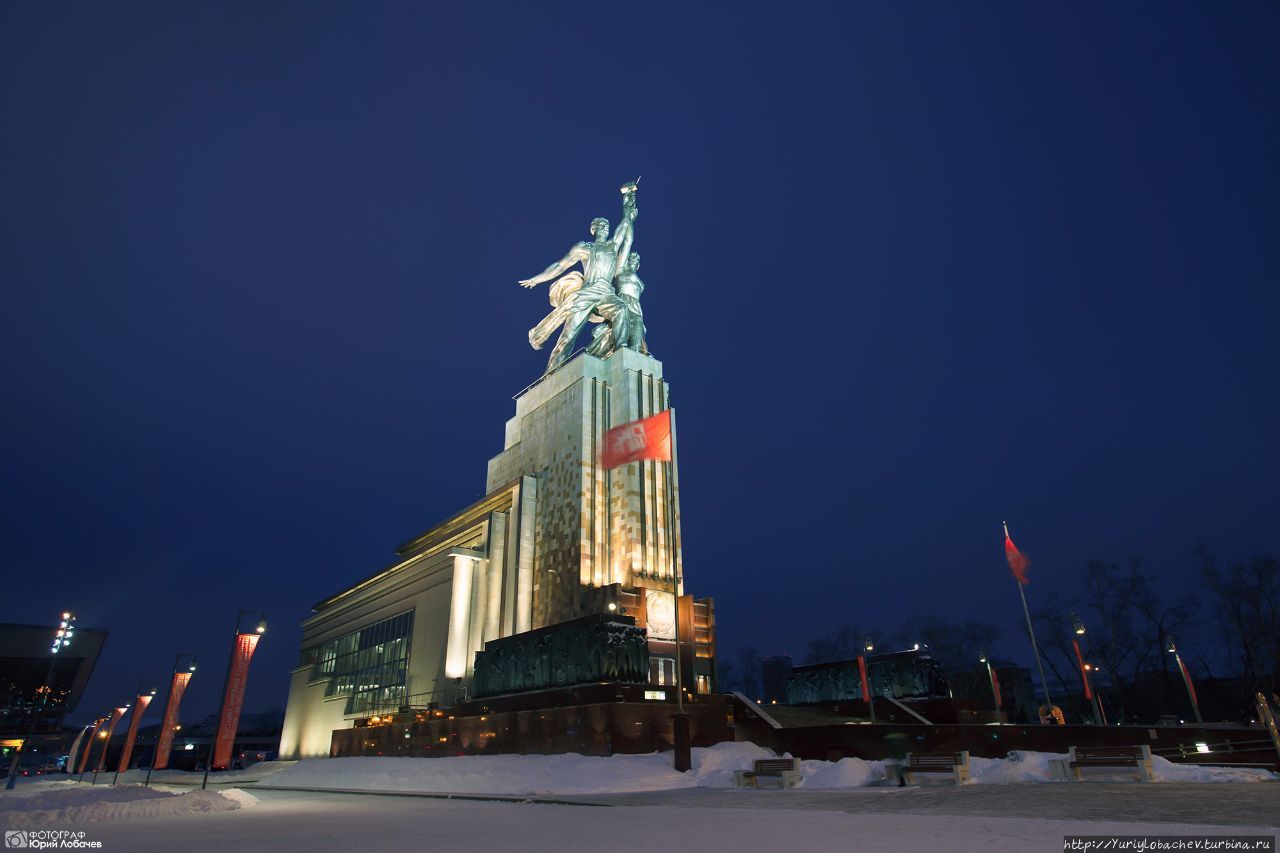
(606, 291)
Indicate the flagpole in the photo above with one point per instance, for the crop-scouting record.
(680, 721)
(1035, 649)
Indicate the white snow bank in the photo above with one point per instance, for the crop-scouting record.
(1034, 767)
(253, 773)
(1167, 771)
(521, 774)
(1019, 766)
(845, 773)
(549, 775)
(68, 802)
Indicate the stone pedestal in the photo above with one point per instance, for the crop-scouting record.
(594, 527)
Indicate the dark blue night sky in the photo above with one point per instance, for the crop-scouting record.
(912, 269)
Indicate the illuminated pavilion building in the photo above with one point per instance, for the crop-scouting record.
(557, 544)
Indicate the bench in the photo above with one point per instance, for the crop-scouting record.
(955, 763)
(1137, 757)
(785, 770)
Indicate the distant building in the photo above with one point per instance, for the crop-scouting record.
(23, 670)
(775, 672)
(911, 673)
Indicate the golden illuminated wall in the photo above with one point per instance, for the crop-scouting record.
(592, 527)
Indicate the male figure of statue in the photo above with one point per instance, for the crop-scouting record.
(599, 260)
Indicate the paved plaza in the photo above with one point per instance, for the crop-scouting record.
(1180, 802)
(991, 819)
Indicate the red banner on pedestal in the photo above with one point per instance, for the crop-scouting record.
(1084, 672)
(862, 674)
(88, 745)
(106, 741)
(1191, 688)
(233, 700)
(170, 721)
(995, 688)
(127, 752)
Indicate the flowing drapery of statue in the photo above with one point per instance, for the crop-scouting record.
(606, 291)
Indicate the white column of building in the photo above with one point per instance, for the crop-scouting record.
(495, 568)
(458, 651)
(528, 532)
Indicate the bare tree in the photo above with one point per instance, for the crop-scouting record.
(742, 672)
(1247, 601)
(954, 645)
(841, 644)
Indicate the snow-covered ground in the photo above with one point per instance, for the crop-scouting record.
(512, 775)
(549, 775)
(60, 803)
(274, 818)
(288, 822)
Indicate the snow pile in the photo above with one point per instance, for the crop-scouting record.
(1166, 771)
(845, 773)
(253, 773)
(714, 766)
(1034, 767)
(521, 774)
(1019, 766)
(571, 774)
(68, 802)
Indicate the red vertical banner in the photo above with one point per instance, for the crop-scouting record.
(170, 721)
(74, 754)
(1084, 673)
(862, 674)
(1191, 688)
(116, 714)
(234, 699)
(88, 747)
(995, 687)
(140, 705)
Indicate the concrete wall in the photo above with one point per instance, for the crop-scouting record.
(426, 587)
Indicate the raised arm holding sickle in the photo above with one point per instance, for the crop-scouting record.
(601, 259)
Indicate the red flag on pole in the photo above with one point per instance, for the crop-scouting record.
(1017, 561)
(995, 686)
(647, 438)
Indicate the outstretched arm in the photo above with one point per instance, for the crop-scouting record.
(622, 237)
(576, 255)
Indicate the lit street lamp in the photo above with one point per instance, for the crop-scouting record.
(1172, 648)
(991, 678)
(61, 639)
(1090, 695)
(867, 648)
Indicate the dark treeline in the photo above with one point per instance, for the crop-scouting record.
(1227, 631)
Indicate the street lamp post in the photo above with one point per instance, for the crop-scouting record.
(1090, 694)
(61, 639)
(235, 637)
(1172, 648)
(991, 679)
(164, 715)
(867, 648)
